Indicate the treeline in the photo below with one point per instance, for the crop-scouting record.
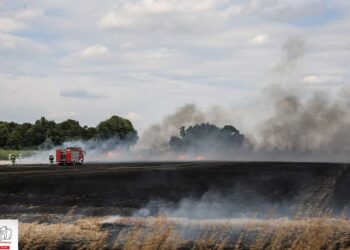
(46, 134)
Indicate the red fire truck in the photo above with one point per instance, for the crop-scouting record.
(70, 156)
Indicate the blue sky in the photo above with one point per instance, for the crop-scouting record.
(141, 59)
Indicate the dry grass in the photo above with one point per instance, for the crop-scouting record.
(173, 233)
(84, 234)
(316, 233)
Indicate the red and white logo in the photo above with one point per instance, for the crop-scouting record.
(9, 234)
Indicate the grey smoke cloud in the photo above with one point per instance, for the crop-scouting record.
(293, 49)
(312, 127)
(317, 124)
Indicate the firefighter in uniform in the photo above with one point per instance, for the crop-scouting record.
(13, 159)
(51, 158)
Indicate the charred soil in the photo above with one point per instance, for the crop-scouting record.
(129, 186)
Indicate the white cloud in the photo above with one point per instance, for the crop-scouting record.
(171, 15)
(29, 13)
(18, 44)
(322, 80)
(281, 10)
(259, 39)
(94, 51)
(133, 116)
(8, 25)
(111, 20)
(151, 55)
(92, 54)
(8, 42)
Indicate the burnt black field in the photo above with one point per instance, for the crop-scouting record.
(222, 189)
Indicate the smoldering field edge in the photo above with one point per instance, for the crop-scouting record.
(184, 189)
(230, 204)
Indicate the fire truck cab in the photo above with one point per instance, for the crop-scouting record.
(70, 156)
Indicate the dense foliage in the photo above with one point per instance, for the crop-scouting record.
(44, 133)
(207, 137)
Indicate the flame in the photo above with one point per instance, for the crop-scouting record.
(112, 155)
(182, 158)
(200, 158)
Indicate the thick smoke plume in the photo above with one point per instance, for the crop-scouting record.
(318, 124)
(307, 126)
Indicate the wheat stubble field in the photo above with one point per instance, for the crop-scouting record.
(179, 205)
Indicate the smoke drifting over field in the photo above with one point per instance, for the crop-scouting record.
(214, 205)
(312, 126)
(317, 124)
(313, 129)
(300, 129)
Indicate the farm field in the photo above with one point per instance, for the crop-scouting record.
(179, 205)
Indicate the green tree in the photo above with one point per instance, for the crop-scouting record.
(23, 130)
(88, 133)
(38, 132)
(14, 140)
(45, 133)
(4, 134)
(56, 135)
(118, 128)
(71, 129)
(207, 137)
